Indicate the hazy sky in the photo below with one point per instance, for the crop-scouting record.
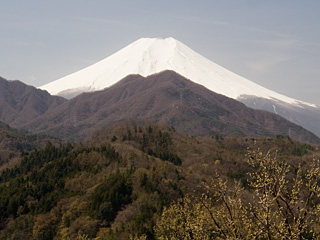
(271, 42)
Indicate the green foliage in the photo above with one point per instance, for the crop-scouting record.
(153, 141)
(300, 149)
(40, 191)
(113, 139)
(158, 145)
(38, 183)
(111, 195)
(13, 142)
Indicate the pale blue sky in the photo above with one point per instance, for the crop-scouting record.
(273, 43)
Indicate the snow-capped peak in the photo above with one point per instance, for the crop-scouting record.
(148, 56)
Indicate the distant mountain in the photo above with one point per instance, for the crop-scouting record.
(148, 56)
(303, 115)
(167, 98)
(20, 103)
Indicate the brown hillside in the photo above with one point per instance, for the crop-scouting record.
(20, 103)
(166, 98)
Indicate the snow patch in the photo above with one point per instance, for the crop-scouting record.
(274, 109)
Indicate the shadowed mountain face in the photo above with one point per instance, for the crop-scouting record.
(20, 103)
(167, 98)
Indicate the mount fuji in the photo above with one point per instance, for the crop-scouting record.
(148, 56)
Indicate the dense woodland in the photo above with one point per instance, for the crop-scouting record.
(150, 182)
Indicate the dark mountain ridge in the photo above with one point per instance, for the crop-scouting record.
(166, 98)
(20, 103)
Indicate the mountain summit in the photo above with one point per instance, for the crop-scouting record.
(148, 56)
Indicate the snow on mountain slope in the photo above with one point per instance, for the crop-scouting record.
(148, 56)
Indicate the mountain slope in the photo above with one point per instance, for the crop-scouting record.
(306, 116)
(147, 56)
(167, 98)
(20, 103)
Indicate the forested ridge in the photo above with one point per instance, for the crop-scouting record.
(129, 181)
(13, 142)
